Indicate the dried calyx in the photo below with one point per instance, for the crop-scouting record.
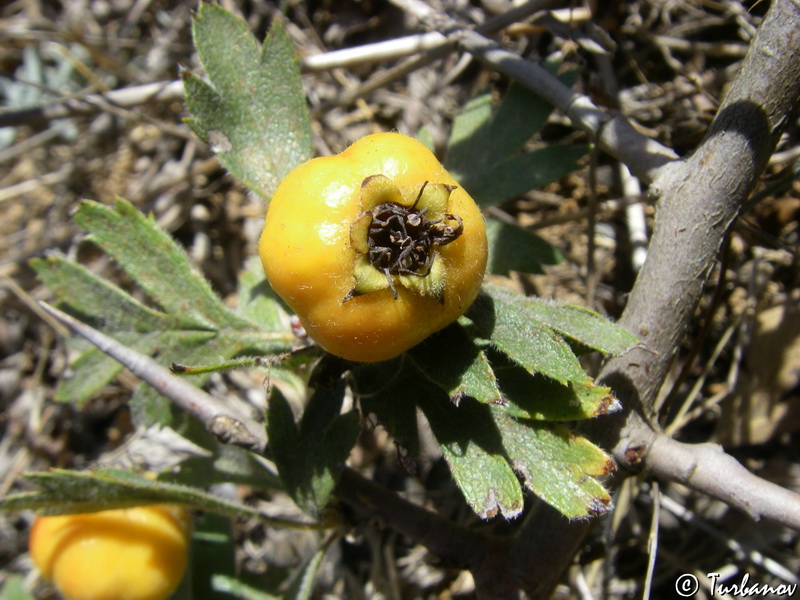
(396, 242)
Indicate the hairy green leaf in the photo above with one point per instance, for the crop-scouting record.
(482, 139)
(253, 113)
(192, 327)
(519, 174)
(519, 115)
(502, 318)
(487, 446)
(558, 466)
(541, 398)
(310, 456)
(470, 129)
(461, 370)
(96, 299)
(473, 449)
(155, 262)
(91, 372)
(149, 407)
(484, 149)
(576, 323)
(65, 492)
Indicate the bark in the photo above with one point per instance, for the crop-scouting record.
(698, 200)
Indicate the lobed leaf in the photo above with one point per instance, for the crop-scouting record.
(481, 139)
(93, 370)
(253, 112)
(541, 398)
(148, 407)
(502, 318)
(194, 327)
(95, 298)
(576, 323)
(483, 152)
(557, 465)
(519, 174)
(471, 127)
(519, 115)
(488, 446)
(474, 451)
(155, 262)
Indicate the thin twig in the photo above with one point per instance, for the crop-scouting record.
(754, 556)
(614, 135)
(372, 53)
(30, 185)
(447, 45)
(652, 541)
(708, 469)
(591, 229)
(635, 219)
(221, 420)
(161, 91)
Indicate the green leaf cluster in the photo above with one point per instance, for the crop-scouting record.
(183, 317)
(497, 389)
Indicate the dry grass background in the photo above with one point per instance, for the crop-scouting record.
(735, 384)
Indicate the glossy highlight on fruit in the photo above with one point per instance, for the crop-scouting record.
(135, 553)
(374, 248)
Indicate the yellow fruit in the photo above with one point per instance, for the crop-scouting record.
(127, 554)
(374, 248)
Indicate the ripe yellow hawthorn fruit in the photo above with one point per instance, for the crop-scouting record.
(374, 248)
(126, 554)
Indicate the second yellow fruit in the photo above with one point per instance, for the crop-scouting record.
(126, 554)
